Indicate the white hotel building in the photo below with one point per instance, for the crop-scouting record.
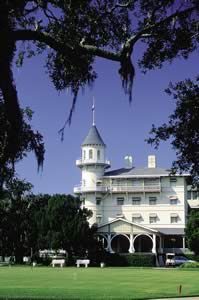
(136, 209)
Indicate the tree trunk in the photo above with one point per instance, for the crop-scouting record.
(7, 87)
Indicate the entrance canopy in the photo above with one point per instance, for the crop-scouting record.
(123, 236)
(120, 225)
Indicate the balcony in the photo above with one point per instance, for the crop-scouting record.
(86, 189)
(82, 162)
(135, 188)
(117, 189)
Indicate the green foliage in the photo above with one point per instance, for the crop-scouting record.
(193, 257)
(192, 232)
(182, 127)
(74, 33)
(189, 265)
(11, 152)
(135, 260)
(43, 261)
(15, 227)
(59, 222)
(42, 222)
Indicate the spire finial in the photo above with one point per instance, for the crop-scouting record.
(93, 110)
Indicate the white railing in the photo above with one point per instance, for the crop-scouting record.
(117, 188)
(82, 189)
(91, 161)
(135, 188)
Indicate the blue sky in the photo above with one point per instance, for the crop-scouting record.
(123, 127)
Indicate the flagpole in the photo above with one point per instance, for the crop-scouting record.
(93, 110)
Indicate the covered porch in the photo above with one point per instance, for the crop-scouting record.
(122, 236)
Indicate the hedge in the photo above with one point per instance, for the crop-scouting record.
(124, 260)
(192, 257)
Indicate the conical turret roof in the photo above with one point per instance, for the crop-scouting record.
(93, 137)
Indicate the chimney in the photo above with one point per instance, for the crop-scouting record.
(128, 161)
(151, 161)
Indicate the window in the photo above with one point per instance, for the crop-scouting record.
(151, 181)
(121, 216)
(173, 201)
(174, 218)
(98, 200)
(136, 218)
(152, 219)
(90, 154)
(120, 201)
(98, 219)
(189, 195)
(194, 193)
(173, 180)
(136, 200)
(84, 154)
(98, 154)
(152, 200)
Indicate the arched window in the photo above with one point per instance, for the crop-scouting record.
(90, 154)
(98, 154)
(84, 154)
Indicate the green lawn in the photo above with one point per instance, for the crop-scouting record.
(96, 283)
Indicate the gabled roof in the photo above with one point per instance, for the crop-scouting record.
(128, 222)
(93, 137)
(136, 172)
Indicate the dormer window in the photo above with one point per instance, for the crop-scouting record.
(90, 154)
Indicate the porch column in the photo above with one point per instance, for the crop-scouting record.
(154, 244)
(160, 245)
(183, 243)
(109, 244)
(131, 247)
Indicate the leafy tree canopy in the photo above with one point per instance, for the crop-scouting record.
(31, 222)
(15, 224)
(59, 222)
(73, 33)
(14, 148)
(192, 232)
(182, 127)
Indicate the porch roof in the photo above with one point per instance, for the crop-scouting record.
(132, 224)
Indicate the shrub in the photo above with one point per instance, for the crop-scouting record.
(45, 261)
(193, 257)
(135, 260)
(190, 265)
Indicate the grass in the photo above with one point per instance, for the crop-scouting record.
(96, 283)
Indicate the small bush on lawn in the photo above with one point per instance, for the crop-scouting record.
(190, 265)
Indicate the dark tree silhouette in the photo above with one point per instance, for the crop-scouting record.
(73, 33)
(10, 151)
(182, 128)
